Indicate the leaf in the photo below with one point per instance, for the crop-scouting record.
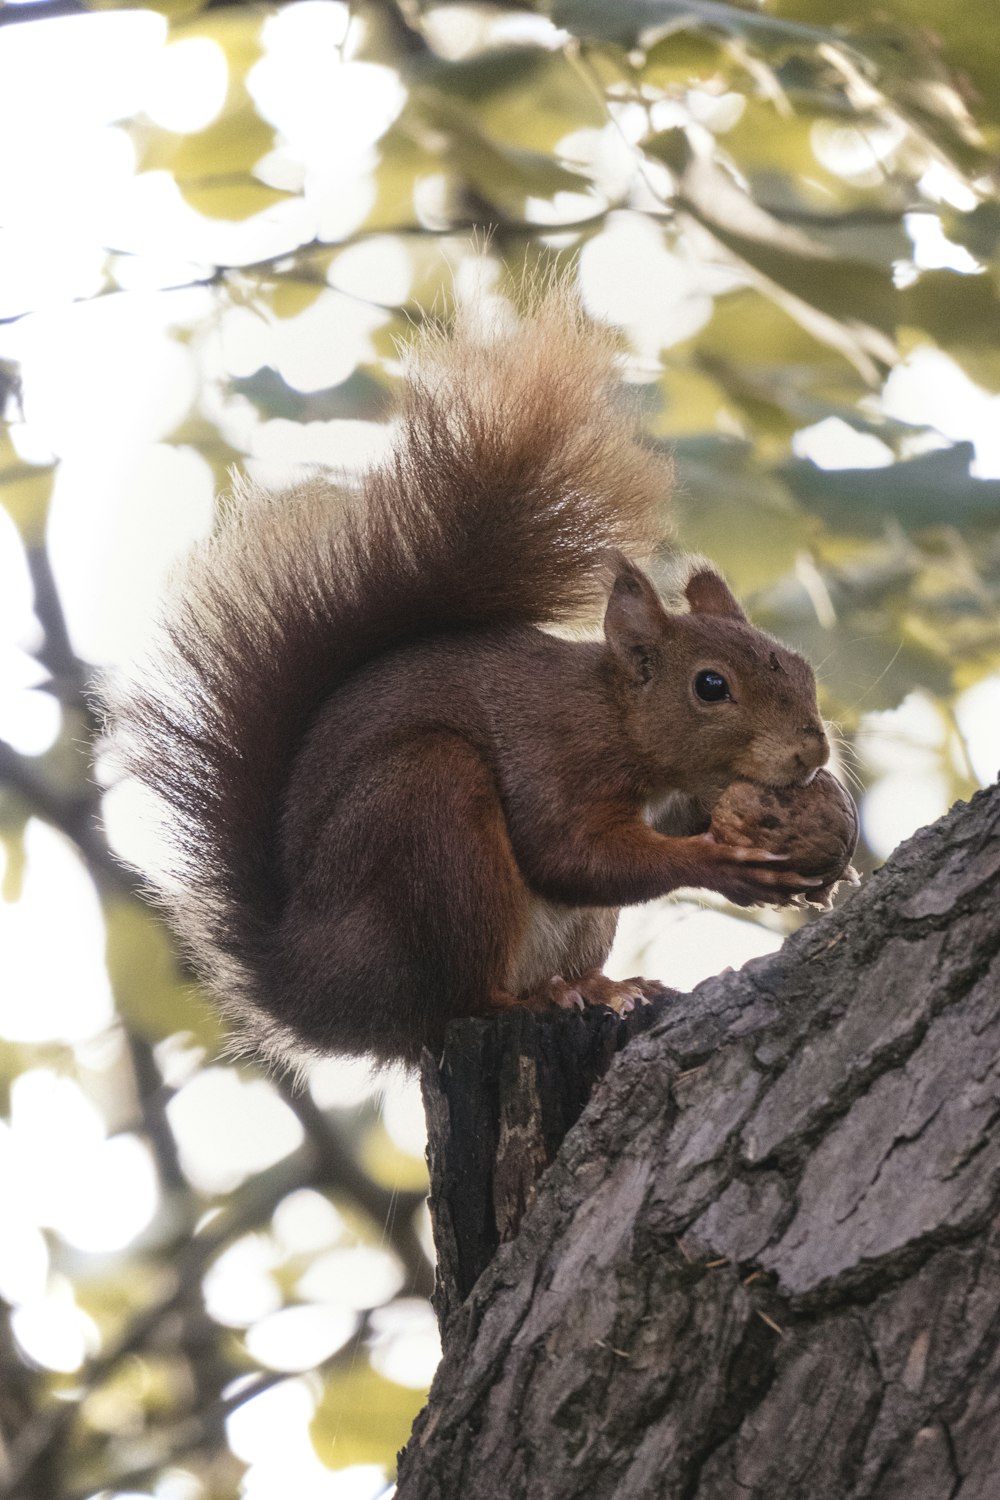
(235, 200)
(965, 39)
(935, 489)
(781, 398)
(383, 1160)
(847, 305)
(737, 512)
(474, 79)
(978, 230)
(503, 174)
(15, 1058)
(290, 295)
(625, 21)
(361, 396)
(519, 97)
(774, 151)
(362, 1418)
(151, 995)
(25, 491)
(233, 143)
(686, 55)
(113, 1300)
(491, 124)
(402, 163)
(869, 661)
(747, 320)
(212, 166)
(962, 315)
(846, 291)
(237, 30)
(692, 403)
(15, 862)
(174, 10)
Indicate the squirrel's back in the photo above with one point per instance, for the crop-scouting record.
(515, 469)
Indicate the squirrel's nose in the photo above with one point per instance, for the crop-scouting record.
(814, 751)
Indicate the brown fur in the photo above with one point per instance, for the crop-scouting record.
(393, 799)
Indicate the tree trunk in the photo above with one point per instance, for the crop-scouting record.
(765, 1262)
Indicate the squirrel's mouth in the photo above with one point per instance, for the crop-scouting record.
(801, 778)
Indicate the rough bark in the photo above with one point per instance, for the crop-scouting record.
(498, 1105)
(765, 1262)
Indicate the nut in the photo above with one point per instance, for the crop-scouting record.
(814, 826)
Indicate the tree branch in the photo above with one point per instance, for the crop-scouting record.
(324, 1161)
(389, 1210)
(41, 10)
(767, 1259)
(72, 813)
(499, 233)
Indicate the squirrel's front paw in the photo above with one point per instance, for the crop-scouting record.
(750, 877)
(814, 826)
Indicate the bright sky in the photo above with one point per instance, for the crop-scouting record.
(105, 384)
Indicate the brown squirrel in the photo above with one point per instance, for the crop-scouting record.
(394, 798)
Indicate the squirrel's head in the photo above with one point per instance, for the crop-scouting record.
(708, 697)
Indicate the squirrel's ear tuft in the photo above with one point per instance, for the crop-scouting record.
(708, 593)
(635, 622)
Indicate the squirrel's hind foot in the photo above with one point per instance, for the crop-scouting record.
(594, 988)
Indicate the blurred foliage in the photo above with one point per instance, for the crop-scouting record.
(785, 164)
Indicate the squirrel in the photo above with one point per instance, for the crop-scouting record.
(395, 794)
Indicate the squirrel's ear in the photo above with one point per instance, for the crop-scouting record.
(635, 622)
(708, 593)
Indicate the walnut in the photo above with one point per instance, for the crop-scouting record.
(815, 826)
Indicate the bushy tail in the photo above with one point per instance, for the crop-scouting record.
(514, 471)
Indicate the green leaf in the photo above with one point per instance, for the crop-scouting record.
(737, 512)
(403, 161)
(233, 143)
(212, 167)
(692, 403)
(25, 492)
(237, 30)
(362, 1418)
(978, 230)
(491, 125)
(962, 41)
(360, 396)
(502, 173)
(15, 863)
(152, 996)
(387, 1164)
(686, 55)
(868, 661)
(287, 296)
(847, 305)
(238, 199)
(773, 150)
(174, 10)
(520, 98)
(475, 79)
(846, 291)
(935, 489)
(962, 315)
(779, 399)
(625, 21)
(747, 320)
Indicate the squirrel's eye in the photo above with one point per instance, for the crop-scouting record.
(711, 687)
